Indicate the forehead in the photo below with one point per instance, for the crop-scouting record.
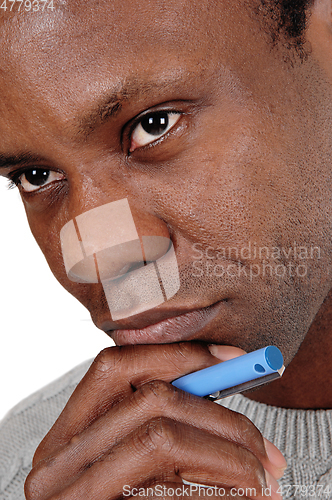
(111, 39)
(54, 64)
(160, 23)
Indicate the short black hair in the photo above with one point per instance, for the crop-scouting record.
(286, 20)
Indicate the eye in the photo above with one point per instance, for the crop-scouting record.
(35, 178)
(151, 127)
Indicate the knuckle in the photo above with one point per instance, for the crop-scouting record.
(243, 422)
(32, 486)
(185, 353)
(186, 350)
(105, 362)
(156, 395)
(251, 471)
(248, 433)
(158, 436)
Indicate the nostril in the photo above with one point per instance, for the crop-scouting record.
(154, 247)
(128, 268)
(119, 260)
(122, 259)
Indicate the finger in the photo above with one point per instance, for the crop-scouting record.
(276, 458)
(225, 352)
(152, 400)
(116, 373)
(163, 449)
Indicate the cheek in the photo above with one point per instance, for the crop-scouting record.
(48, 239)
(210, 203)
(46, 231)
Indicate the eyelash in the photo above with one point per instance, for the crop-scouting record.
(11, 184)
(14, 177)
(13, 180)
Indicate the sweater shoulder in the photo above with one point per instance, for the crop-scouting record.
(25, 425)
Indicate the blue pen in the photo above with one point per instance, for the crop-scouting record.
(235, 375)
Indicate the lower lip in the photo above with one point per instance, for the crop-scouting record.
(170, 330)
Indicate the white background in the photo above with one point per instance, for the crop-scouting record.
(44, 331)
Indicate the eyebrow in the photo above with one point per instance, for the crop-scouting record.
(109, 105)
(104, 108)
(7, 161)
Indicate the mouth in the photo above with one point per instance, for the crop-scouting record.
(172, 329)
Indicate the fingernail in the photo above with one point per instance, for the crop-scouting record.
(225, 352)
(273, 485)
(213, 349)
(275, 456)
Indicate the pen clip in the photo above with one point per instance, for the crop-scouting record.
(245, 386)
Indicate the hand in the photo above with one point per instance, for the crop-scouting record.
(125, 424)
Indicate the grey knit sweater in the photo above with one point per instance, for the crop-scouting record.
(304, 437)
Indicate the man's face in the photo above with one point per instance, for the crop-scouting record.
(239, 179)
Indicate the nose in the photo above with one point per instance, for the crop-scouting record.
(103, 245)
(125, 257)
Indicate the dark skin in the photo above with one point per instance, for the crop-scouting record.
(248, 160)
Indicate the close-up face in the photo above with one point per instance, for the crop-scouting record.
(217, 138)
